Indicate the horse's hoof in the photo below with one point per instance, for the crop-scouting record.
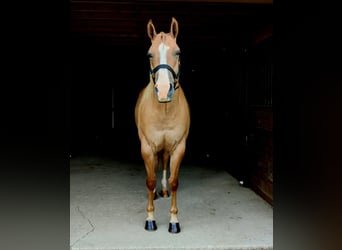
(150, 225)
(174, 228)
(164, 194)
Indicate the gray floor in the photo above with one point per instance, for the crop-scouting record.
(108, 200)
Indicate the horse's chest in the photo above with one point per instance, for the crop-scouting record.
(161, 136)
(164, 139)
(162, 129)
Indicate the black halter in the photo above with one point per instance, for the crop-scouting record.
(166, 66)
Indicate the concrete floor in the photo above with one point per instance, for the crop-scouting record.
(108, 200)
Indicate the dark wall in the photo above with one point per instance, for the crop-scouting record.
(97, 73)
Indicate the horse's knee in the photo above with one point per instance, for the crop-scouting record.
(173, 183)
(151, 183)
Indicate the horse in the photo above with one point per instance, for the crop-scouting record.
(162, 118)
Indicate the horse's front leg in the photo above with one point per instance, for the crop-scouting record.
(150, 160)
(175, 161)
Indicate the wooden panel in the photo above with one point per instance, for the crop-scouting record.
(122, 23)
(262, 172)
(264, 120)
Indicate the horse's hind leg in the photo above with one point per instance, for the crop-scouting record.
(164, 193)
(175, 161)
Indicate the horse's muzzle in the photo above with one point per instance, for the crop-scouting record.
(162, 96)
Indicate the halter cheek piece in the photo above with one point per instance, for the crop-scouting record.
(166, 66)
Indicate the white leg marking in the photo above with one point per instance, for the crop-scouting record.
(150, 216)
(173, 218)
(164, 181)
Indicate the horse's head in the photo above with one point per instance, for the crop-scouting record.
(164, 60)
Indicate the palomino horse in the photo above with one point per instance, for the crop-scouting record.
(162, 118)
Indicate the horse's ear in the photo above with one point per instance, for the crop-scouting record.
(174, 28)
(151, 31)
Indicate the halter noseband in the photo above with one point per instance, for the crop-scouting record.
(166, 66)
